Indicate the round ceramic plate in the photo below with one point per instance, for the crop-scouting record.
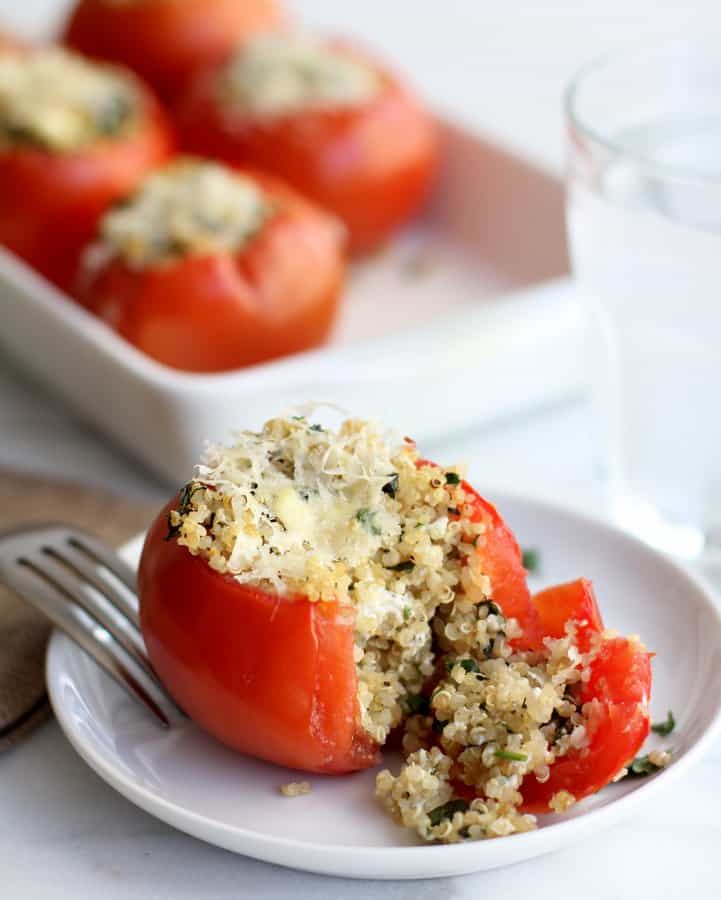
(188, 780)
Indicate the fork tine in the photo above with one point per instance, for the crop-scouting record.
(49, 563)
(106, 557)
(51, 600)
(86, 564)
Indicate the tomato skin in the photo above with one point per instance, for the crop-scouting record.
(270, 676)
(615, 699)
(165, 41)
(50, 202)
(502, 560)
(277, 295)
(371, 165)
(573, 601)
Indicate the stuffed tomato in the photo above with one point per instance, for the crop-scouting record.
(208, 269)
(324, 117)
(74, 137)
(165, 41)
(312, 594)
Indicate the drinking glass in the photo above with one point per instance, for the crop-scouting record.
(644, 223)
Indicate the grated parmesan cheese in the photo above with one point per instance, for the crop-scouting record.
(283, 74)
(188, 207)
(56, 100)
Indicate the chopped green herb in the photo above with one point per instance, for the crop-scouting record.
(453, 478)
(439, 725)
(665, 728)
(186, 497)
(366, 518)
(407, 613)
(511, 755)
(391, 487)
(406, 565)
(316, 427)
(173, 530)
(641, 767)
(417, 705)
(447, 811)
(298, 418)
(468, 665)
(531, 560)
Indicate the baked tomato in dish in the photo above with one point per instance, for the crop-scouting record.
(165, 41)
(326, 118)
(208, 269)
(74, 137)
(313, 594)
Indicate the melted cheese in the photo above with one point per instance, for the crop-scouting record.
(284, 74)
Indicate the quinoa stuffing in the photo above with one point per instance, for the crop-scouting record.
(295, 788)
(186, 208)
(57, 101)
(348, 517)
(284, 74)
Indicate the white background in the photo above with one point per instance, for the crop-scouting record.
(501, 67)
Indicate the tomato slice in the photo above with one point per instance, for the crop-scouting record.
(574, 601)
(268, 675)
(615, 699)
(502, 560)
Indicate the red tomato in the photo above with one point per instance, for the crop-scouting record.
(166, 40)
(277, 295)
(502, 560)
(371, 165)
(574, 601)
(50, 202)
(615, 700)
(270, 676)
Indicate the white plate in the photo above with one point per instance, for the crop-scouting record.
(198, 786)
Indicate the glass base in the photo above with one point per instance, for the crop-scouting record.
(644, 520)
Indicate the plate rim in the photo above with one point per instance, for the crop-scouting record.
(564, 831)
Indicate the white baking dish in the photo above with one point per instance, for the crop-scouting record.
(437, 332)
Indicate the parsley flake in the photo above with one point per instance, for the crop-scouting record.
(447, 811)
(665, 728)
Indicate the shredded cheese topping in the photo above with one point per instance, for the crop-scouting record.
(283, 74)
(188, 207)
(55, 100)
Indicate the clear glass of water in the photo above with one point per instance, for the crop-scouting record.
(644, 222)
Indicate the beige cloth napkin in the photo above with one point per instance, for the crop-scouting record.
(26, 499)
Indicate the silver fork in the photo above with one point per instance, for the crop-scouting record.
(89, 593)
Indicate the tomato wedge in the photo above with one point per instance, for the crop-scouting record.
(165, 41)
(615, 699)
(371, 165)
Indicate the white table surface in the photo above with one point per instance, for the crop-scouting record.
(500, 66)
